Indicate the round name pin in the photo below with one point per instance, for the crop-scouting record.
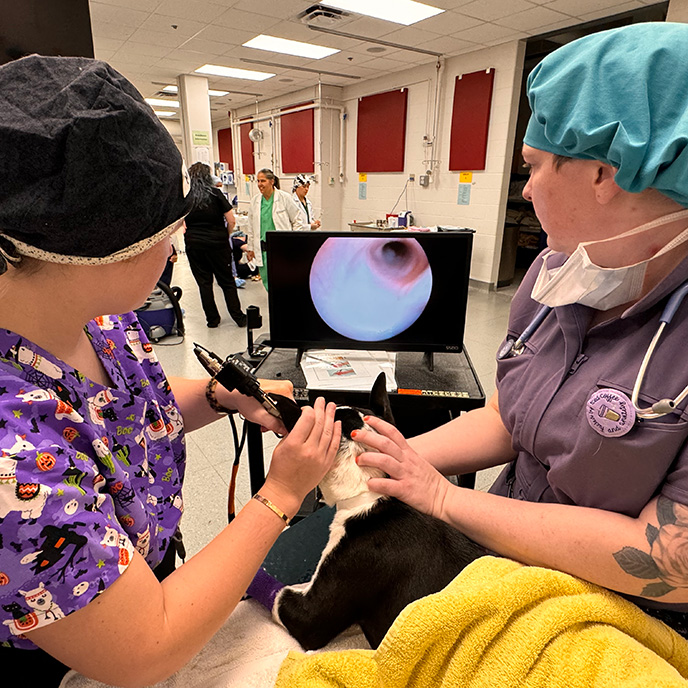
(610, 413)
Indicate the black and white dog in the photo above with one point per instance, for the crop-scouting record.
(381, 554)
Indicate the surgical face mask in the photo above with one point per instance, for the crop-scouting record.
(579, 280)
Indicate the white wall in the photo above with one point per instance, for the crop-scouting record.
(431, 206)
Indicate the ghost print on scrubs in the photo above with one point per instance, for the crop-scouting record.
(87, 473)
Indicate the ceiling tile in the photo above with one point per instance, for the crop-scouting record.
(448, 45)
(410, 35)
(484, 33)
(163, 24)
(107, 44)
(223, 34)
(115, 31)
(170, 40)
(111, 14)
(577, 8)
(202, 46)
(532, 19)
(134, 48)
(296, 31)
(625, 7)
(105, 55)
(250, 21)
(367, 26)
(495, 9)
(198, 10)
(448, 22)
(144, 5)
(284, 9)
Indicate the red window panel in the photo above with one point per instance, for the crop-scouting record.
(226, 149)
(381, 135)
(298, 141)
(248, 164)
(470, 120)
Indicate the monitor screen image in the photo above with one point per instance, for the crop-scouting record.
(395, 291)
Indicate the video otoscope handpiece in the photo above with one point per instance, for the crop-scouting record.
(235, 374)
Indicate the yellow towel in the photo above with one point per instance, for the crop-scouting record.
(501, 625)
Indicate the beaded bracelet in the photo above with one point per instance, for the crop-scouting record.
(272, 507)
(212, 399)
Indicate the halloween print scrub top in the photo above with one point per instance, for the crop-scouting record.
(87, 473)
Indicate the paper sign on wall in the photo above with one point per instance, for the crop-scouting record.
(362, 191)
(362, 177)
(464, 194)
(465, 177)
(200, 138)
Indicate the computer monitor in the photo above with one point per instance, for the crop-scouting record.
(392, 291)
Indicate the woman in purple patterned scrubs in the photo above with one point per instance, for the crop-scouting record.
(596, 479)
(92, 454)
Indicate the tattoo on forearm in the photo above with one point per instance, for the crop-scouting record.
(668, 557)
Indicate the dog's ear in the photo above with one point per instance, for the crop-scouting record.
(379, 400)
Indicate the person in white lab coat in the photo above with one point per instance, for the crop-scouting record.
(302, 183)
(270, 209)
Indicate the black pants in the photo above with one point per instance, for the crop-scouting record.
(37, 667)
(210, 261)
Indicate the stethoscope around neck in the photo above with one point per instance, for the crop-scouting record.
(661, 408)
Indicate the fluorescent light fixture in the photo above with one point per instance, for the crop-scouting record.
(162, 103)
(164, 113)
(233, 72)
(211, 92)
(287, 47)
(399, 11)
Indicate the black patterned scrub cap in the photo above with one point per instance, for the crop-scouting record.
(88, 173)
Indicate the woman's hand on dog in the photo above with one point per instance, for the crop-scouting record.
(302, 458)
(411, 479)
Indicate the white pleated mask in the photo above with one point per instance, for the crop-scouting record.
(579, 280)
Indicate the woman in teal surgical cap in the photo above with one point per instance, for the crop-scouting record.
(591, 431)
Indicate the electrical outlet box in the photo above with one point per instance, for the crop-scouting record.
(412, 177)
(424, 180)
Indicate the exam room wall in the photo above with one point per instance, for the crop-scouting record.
(436, 204)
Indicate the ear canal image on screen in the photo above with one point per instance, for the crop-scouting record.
(370, 289)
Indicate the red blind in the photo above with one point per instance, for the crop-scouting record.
(470, 120)
(381, 135)
(226, 150)
(298, 148)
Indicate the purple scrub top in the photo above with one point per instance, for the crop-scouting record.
(88, 474)
(544, 392)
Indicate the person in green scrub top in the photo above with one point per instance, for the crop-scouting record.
(270, 209)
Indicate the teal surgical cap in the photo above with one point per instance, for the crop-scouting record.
(621, 97)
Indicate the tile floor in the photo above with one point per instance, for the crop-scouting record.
(210, 449)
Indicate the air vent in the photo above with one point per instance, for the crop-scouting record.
(319, 15)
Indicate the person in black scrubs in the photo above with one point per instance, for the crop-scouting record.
(208, 227)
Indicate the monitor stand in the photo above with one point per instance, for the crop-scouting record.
(299, 356)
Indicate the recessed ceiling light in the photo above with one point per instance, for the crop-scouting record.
(211, 92)
(233, 72)
(164, 113)
(399, 11)
(287, 47)
(163, 103)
